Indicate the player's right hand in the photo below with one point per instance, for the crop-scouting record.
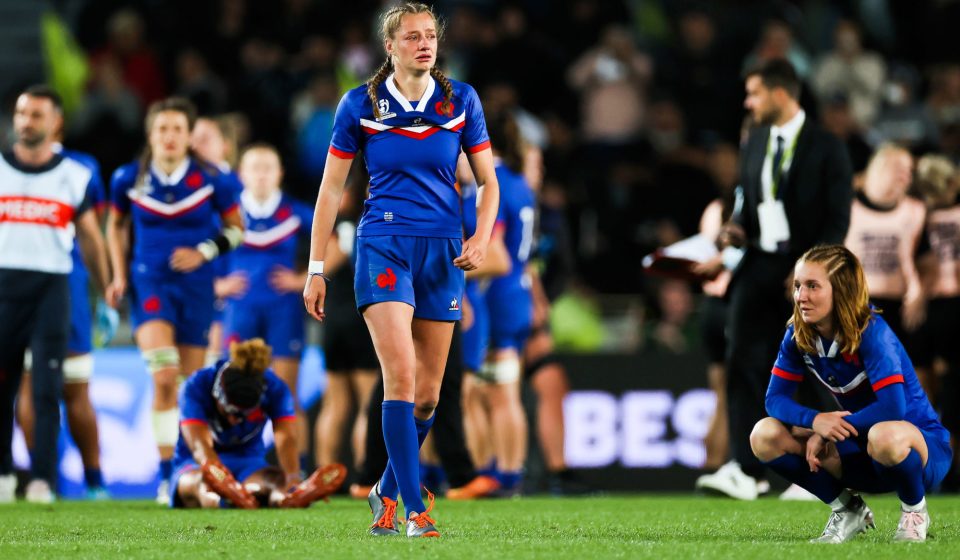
(815, 446)
(832, 427)
(234, 284)
(221, 480)
(314, 294)
(116, 291)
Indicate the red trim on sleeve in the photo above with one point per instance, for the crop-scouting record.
(235, 206)
(340, 153)
(479, 147)
(116, 209)
(285, 419)
(798, 377)
(898, 378)
(194, 421)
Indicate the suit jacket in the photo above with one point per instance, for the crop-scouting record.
(816, 191)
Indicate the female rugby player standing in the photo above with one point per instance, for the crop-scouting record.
(412, 123)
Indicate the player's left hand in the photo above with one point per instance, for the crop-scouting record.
(286, 281)
(186, 259)
(472, 255)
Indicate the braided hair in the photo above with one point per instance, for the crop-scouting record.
(389, 24)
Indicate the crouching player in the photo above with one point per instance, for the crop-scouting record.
(885, 438)
(223, 410)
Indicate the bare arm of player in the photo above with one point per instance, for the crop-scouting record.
(497, 262)
(188, 259)
(118, 240)
(324, 215)
(200, 442)
(93, 249)
(488, 202)
(285, 442)
(541, 303)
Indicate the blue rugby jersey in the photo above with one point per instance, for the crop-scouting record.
(170, 211)
(96, 194)
(411, 154)
(198, 406)
(876, 383)
(517, 217)
(273, 231)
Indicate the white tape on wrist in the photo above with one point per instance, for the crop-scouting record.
(315, 267)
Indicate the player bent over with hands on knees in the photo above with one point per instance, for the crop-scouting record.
(220, 456)
(886, 437)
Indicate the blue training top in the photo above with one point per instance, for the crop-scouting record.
(411, 154)
(877, 383)
(198, 406)
(273, 231)
(170, 211)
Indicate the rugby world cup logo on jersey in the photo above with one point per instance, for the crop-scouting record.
(384, 106)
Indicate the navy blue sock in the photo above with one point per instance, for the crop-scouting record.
(907, 477)
(400, 436)
(166, 469)
(432, 476)
(490, 469)
(509, 480)
(388, 482)
(93, 478)
(795, 469)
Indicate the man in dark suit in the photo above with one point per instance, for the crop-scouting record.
(796, 181)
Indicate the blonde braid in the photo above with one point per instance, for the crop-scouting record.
(447, 107)
(374, 82)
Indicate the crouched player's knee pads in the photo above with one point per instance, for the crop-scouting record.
(78, 369)
(500, 372)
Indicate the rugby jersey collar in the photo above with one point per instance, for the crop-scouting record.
(172, 179)
(831, 353)
(260, 210)
(15, 163)
(404, 102)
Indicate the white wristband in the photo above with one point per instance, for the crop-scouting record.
(208, 249)
(315, 267)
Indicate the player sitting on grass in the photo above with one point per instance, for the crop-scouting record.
(223, 410)
(886, 437)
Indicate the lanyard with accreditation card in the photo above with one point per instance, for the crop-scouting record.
(774, 225)
(777, 173)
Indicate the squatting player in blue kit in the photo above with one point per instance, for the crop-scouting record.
(886, 437)
(223, 411)
(412, 123)
(171, 199)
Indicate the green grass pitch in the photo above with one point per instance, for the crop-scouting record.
(650, 526)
